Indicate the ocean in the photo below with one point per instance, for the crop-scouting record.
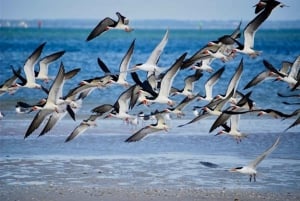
(167, 159)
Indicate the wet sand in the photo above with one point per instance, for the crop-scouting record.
(133, 193)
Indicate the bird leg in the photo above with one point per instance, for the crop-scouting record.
(254, 177)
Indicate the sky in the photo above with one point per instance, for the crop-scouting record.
(142, 9)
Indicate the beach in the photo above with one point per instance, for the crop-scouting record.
(62, 193)
(99, 165)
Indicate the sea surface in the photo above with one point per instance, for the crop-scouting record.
(100, 156)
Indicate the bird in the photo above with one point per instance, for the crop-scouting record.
(250, 168)
(160, 125)
(44, 64)
(30, 81)
(274, 113)
(203, 65)
(120, 108)
(214, 107)
(293, 77)
(83, 126)
(233, 130)
(244, 103)
(150, 65)
(50, 105)
(189, 85)
(214, 48)
(119, 77)
(252, 27)
(178, 109)
(71, 103)
(209, 84)
(109, 24)
(9, 85)
(269, 73)
(234, 81)
(166, 84)
(22, 107)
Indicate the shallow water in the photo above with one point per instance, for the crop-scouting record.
(101, 157)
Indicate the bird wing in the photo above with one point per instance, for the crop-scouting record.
(295, 69)
(261, 157)
(125, 63)
(45, 61)
(252, 26)
(55, 117)
(258, 79)
(235, 79)
(140, 134)
(12, 80)
(212, 81)
(197, 118)
(37, 120)
(222, 118)
(56, 86)
(153, 59)
(168, 78)
(31, 61)
(82, 127)
(101, 27)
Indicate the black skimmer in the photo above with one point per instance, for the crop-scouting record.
(44, 64)
(68, 104)
(93, 83)
(108, 24)
(293, 76)
(214, 108)
(119, 77)
(262, 4)
(245, 103)
(270, 73)
(50, 105)
(120, 108)
(30, 81)
(250, 168)
(178, 110)
(160, 125)
(9, 85)
(233, 130)
(83, 126)
(233, 84)
(204, 65)
(209, 84)
(274, 113)
(188, 85)
(166, 84)
(150, 65)
(220, 49)
(252, 27)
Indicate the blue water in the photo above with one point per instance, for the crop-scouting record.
(166, 159)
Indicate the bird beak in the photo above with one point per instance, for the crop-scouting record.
(260, 113)
(232, 170)
(219, 133)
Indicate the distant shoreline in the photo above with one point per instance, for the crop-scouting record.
(145, 24)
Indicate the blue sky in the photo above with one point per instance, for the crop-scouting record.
(141, 9)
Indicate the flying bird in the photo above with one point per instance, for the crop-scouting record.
(250, 168)
(109, 24)
(143, 132)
